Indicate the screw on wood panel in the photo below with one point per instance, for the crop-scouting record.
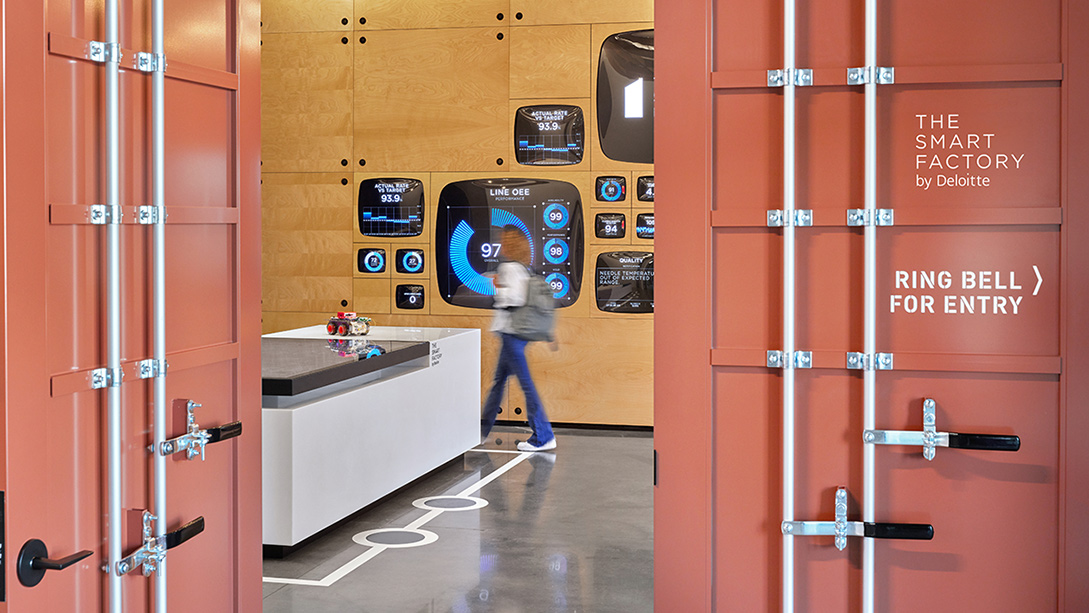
(362, 20)
(518, 16)
(362, 39)
(344, 162)
(499, 36)
(499, 16)
(344, 40)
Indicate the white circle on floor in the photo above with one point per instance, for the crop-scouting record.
(450, 503)
(395, 538)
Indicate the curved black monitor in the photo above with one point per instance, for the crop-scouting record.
(470, 220)
(548, 135)
(391, 207)
(625, 96)
(625, 282)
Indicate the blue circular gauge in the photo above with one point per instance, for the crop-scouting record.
(412, 261)
(556, 216)
(555, 251)
(611, 190)
(559, 284)
(374, 261)
(459, 250)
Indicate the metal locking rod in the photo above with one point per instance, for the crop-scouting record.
(151, 554)
(930, 439)
(841, 528)
(195, 439)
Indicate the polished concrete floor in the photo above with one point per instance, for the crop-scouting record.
(510, 532)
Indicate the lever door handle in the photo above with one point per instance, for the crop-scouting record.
(186, 532)
(988, 442)
(225, 432)
(34, 560)
(918, 532)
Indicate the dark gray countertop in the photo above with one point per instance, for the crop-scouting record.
(291, 366)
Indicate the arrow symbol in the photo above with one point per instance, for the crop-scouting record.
(1039, 280)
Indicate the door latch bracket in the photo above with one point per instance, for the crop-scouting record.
(864, 75)
(864, 361)
(800, 218)
(930, 439)
(797, 359)
(195, 439)
(841, 528)
(154, 549)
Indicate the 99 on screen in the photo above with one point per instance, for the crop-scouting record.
(470, 221)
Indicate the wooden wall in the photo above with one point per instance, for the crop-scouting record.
(428, 89)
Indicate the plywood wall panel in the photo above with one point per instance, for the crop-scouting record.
(314, 294)
(550, 62)
(307, 16)
(278, 321)
(413, 14)
(372, 297)
(432, 99)
(602, 373)
(306, 102)
(539, 12)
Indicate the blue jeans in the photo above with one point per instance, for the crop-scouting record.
(512, 361)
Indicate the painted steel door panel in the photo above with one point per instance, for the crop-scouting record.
(975, 285)
(55, 438)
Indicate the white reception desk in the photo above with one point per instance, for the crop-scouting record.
(340, 431)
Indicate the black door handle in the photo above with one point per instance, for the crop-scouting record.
(225, 432)
(919, 532)
(987, 442)
(34, 560)
(186, 532)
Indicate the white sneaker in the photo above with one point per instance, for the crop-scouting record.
(525, 446)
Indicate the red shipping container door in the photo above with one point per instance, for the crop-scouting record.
(55, 437)
(982, 291)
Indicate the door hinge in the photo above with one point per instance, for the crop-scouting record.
(104, 52)
(105, 377)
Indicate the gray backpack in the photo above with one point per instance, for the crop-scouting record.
(535, 320)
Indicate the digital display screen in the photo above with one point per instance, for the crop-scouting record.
(644, 225)
(470, 221)
(645, 189)
(611, 189)
(548, 135)
(625, 96)
(391, 207)
(409, 297)
(410, 261)
(625, 282)
(371, 260)
(610, 225)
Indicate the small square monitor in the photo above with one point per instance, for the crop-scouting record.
(644, 225)
(371, 260)
(625, 96)
(645, 189)
(611, 189)
(548, 135)
(409, 297)
(391, 207)
(625, 282)
(610, 225)
(410, 261)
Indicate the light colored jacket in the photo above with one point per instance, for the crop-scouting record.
(511, 284)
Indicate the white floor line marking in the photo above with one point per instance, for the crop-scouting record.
(495, 474)
(362, 558)
(510, 451)
(432, 514)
